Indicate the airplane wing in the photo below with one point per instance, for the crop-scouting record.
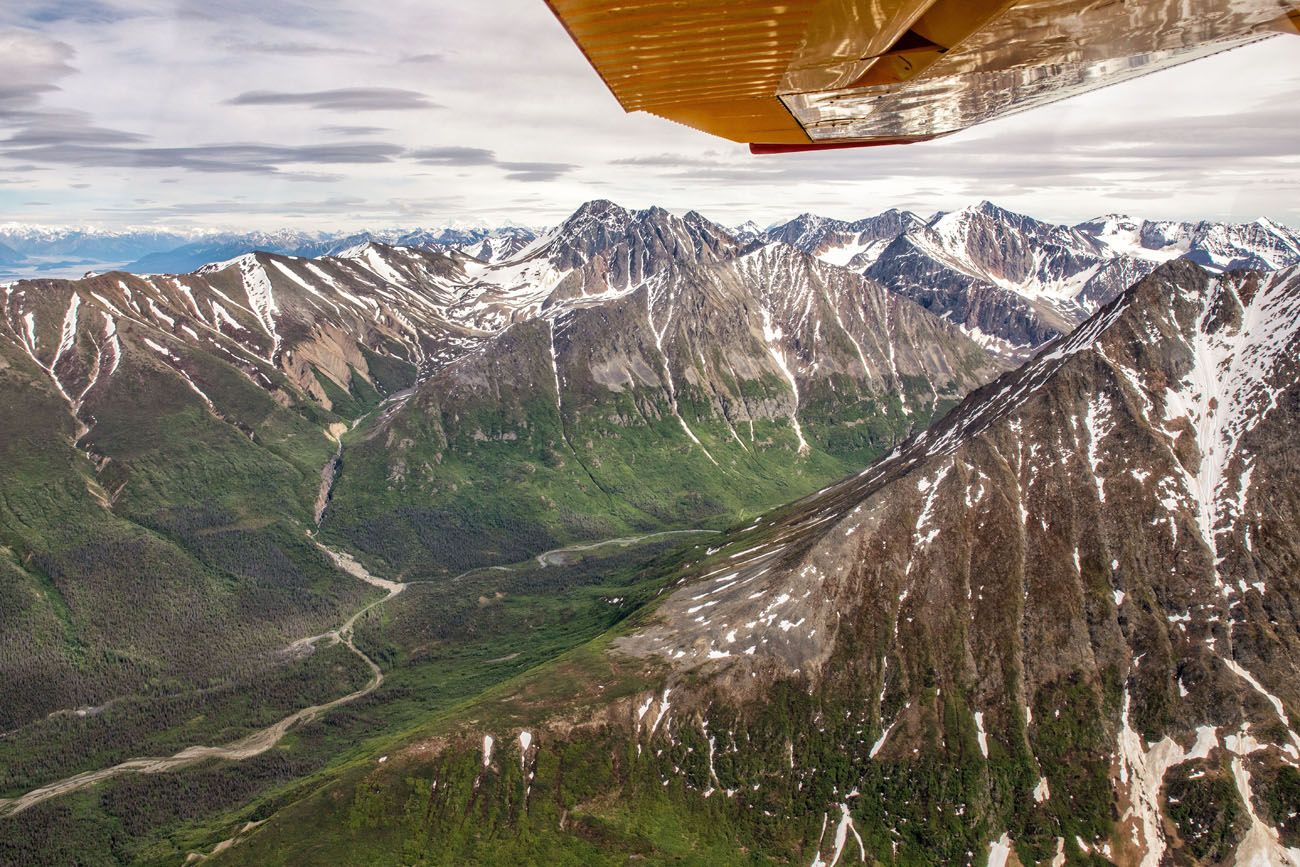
(787, 75)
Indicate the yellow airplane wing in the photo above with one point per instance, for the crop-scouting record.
(808, 74)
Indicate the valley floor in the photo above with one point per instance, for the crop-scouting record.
(586, 594)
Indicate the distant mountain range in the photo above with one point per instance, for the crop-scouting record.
(1013, 282)
(34, 251)
(1009, 280)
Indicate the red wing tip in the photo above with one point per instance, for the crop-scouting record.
(760, 148)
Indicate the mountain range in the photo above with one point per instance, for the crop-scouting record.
(1043, 276)
(959, 540)
(1014, 283)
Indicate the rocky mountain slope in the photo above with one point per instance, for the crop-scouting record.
(1054, 628)
(1130, 493)
(646, 367)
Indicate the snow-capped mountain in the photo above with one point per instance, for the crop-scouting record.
(1014, 283)
(500, 245)
(1011, 281)
(747, 232)
(853, 245)
(600, 251)
(1263, 244)
(499, 242)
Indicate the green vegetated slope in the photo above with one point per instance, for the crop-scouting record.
(500, 468)
(161, 554)
(440, 644)
(613, 772)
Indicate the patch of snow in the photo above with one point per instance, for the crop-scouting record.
(1041, 791)
(68, 334)
(1245, 675)
(1143, 771)
(670, 386)
(1000, 851)
(261, 297)
(663, 709)
(771, 336)
(1261, 846)
(841, 838)
(980, 734)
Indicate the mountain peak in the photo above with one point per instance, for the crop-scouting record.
(598, 208)
(1276, 228)
(987, 208)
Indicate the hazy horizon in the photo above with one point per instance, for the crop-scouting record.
(469, 223)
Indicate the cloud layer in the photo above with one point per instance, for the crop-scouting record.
(340, 99)
(252, 114)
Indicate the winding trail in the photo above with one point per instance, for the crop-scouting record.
(250, 745)
(264, 739)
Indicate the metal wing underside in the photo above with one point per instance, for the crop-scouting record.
(830, 73)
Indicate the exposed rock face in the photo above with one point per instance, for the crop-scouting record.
(1087, 568)
(713, 371)
(1014, 283)
(269, 316)
(740, 340)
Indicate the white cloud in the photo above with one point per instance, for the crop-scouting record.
(254, 114)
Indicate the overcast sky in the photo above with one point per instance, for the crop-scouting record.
(336, 115)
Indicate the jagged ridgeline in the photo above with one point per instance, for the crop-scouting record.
(627, 371)
(1013, 282)
(1054, 628)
